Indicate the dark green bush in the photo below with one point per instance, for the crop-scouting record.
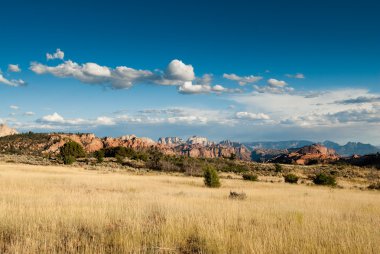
(324, 179)
(211, 177)
(155, 157)
(250, 177)
(70, 151)
(142, 156)
(119, 151)
(119, 159)
(72, 148)
(99, 155)
(278, 168)
(68, 160)
(291, 178)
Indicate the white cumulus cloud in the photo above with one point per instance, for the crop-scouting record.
(120, 77)
(242, 80)
(276, 83)
(13, 82)
(58, 120)
(59, 54)
(13, 68)
(252, 116)
(296, 76)
(177, 70)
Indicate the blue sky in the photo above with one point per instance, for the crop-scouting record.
(242, 70)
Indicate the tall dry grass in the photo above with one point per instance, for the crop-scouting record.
(69, 210)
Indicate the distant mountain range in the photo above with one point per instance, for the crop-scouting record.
(275, 147)
(352, 148)
(348, 149)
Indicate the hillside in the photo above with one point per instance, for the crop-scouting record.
(49, 144)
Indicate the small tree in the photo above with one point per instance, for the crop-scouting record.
(211, 177)
(323, 179)
(155, 157)
(99, 155)
(70, 151)
(68, 160)
(291, 178)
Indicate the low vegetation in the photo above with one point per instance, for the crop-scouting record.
(324, 179)
(278, 168)
(237, 195)
(47, 209)
(291, 178)
(211, 178)
(250, 177)
(70, 151)
(374, 186)
(99, 155)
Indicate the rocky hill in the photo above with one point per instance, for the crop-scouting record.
(5, 130)
(49, 144)
(306, 155)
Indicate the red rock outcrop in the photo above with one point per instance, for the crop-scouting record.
(51, 144)
(90, 142)
(315, 153)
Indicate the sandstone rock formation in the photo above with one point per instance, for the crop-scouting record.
(6, 130)
(315, 153)
(171, 141)
(90, 142)
(199, 141)
(50, 144)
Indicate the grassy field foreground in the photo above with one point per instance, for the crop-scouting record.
(70, 210)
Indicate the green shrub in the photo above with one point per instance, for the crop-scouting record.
(155, 157)
(99, 155)
(211, 177)
(119, 159)
(277, 168)
(70, 151)
(291, 178)
(72, 148)
(68, 160)
(119, 151)
(250, 177)
(142, 156)
(324, 179)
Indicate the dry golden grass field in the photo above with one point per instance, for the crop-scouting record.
(46, 209)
